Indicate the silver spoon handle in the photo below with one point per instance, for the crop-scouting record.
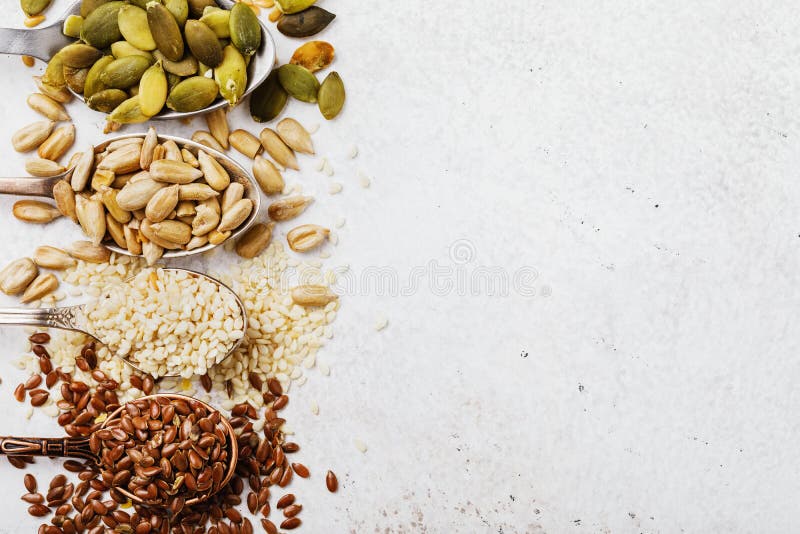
(34, 187)
(64, 318)
(41, 43)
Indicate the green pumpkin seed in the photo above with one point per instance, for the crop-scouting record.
(203, 43)
(72, 26)
(140, 3)
(294, 6)
(231, 75)
(54, 73)
(106, 100)
(100, 28)
(128, 112)
(172, 81)
(196, 7)
(306, 23)
(218, 20)
(124, 72)
(122, 49)
(87, 6)
(79, 55)
(153, 90)
(299, 82)
(202, 70)
(245, 29)
(185, 67)
(165, 31)
(76, 78)
(179, 10)
(192, 94)
(331, 96)
(134, 27)
(93, 84)
(33, 7)
(268, 100)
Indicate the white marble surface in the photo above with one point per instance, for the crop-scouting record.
(641, 159)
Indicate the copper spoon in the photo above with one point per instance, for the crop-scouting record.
(74, 447)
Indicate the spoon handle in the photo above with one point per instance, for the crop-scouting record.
(68, 318)
(41, 43)
(60, 447)
(33, 187)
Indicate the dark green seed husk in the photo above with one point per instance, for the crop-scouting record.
(193, 94)
(124, 72)
(196, 7)
(79, 55)
(299, 82)
(306, 23)
(165, 30)
(203, 43)
(268, 100)
(100, 28)
(245, 29)
(33, 7)
(107, 100)
(331, 96)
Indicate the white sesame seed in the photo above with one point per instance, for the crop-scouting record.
(360, 445)
(314, 407)
(381, 322)
(352, 152)
(340, 222)
(334, 188)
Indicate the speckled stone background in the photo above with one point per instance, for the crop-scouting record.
(582, 228)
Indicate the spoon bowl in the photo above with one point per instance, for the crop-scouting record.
(74, 318)
(81, 447)
(43, 43)
(43, 187)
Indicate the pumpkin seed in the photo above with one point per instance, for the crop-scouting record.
(314, 55)
(93, 84)
(79, 55)
(165, 31)
(203, 43)
(331, 96)
(122, 49)
(218, 20)
(293, 6)
(153, 90)
(106, 100)
(33, 7)
(192, 94)
(245, 29)
(128, 112)
(72, 26)
(124, 72)
(185, 67)
(179, 10)
(231, 75)
(76, 78)
(54, 73)
(268, 100)
(88, 6)
(306, 23)
(100, 27)
(299, 82)
(196, 7)
(134, 27)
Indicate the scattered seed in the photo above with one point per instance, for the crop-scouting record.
(331, 482)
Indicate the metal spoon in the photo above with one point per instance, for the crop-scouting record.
(43, 43)
(74, 447)
(74, 318)
(43, 187)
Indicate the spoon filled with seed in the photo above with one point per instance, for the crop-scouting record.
(164, 450)
(163, 322)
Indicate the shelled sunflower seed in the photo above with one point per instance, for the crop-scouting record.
(133, 60)
(129, 195)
